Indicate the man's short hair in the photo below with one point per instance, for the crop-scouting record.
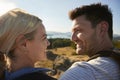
(95, 13)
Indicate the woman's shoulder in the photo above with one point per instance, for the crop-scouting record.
(29, 74)
(35, 76)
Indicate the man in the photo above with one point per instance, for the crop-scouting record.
(92, 34)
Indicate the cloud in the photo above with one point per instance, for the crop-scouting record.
(5, 6)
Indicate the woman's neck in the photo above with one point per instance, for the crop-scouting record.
(17, 64)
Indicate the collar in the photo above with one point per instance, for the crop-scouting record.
(13, 75)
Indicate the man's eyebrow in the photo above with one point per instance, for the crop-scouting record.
(74, 29)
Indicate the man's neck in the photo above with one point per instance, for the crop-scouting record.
(104, 45)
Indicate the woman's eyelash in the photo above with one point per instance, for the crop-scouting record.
(45, 37)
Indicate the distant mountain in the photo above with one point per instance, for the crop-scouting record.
(52, 34)
(116, 37)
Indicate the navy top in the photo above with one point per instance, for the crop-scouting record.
(16, 74)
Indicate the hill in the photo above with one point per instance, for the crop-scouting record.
(52, 34)
(116, 37)
(60, 59)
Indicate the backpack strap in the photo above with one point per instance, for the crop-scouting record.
(112, 53)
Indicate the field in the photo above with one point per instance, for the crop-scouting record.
(69, 53)
(61, 59)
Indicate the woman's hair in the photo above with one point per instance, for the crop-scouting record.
(14, 23)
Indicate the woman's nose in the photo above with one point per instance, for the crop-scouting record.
(48, 43)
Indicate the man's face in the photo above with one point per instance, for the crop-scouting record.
(84, 35)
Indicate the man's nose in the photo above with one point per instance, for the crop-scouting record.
(73, 37)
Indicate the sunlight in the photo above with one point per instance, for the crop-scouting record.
(6, 6)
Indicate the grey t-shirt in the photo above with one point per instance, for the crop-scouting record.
(101, 68)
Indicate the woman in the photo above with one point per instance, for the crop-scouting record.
(23, 42)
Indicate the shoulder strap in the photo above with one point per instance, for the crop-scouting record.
(112, 53)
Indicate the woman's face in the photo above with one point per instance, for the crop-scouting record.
(37, 47)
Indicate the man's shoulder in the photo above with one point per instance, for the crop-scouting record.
(92, 70)
(98, 65)
(99, 61)
(79, 70)
(105, 62)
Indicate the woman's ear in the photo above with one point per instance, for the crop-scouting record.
(21, 42)
(102, 28)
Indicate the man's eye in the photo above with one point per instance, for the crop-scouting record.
(77, 31)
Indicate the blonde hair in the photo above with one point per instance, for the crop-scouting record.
(12, 24)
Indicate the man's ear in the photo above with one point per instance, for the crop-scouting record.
(102, 28)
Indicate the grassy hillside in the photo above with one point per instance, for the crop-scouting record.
(69, 53)
(61, 59)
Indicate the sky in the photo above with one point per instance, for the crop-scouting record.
(54, 13)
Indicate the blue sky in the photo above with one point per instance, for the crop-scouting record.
(54, 13)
